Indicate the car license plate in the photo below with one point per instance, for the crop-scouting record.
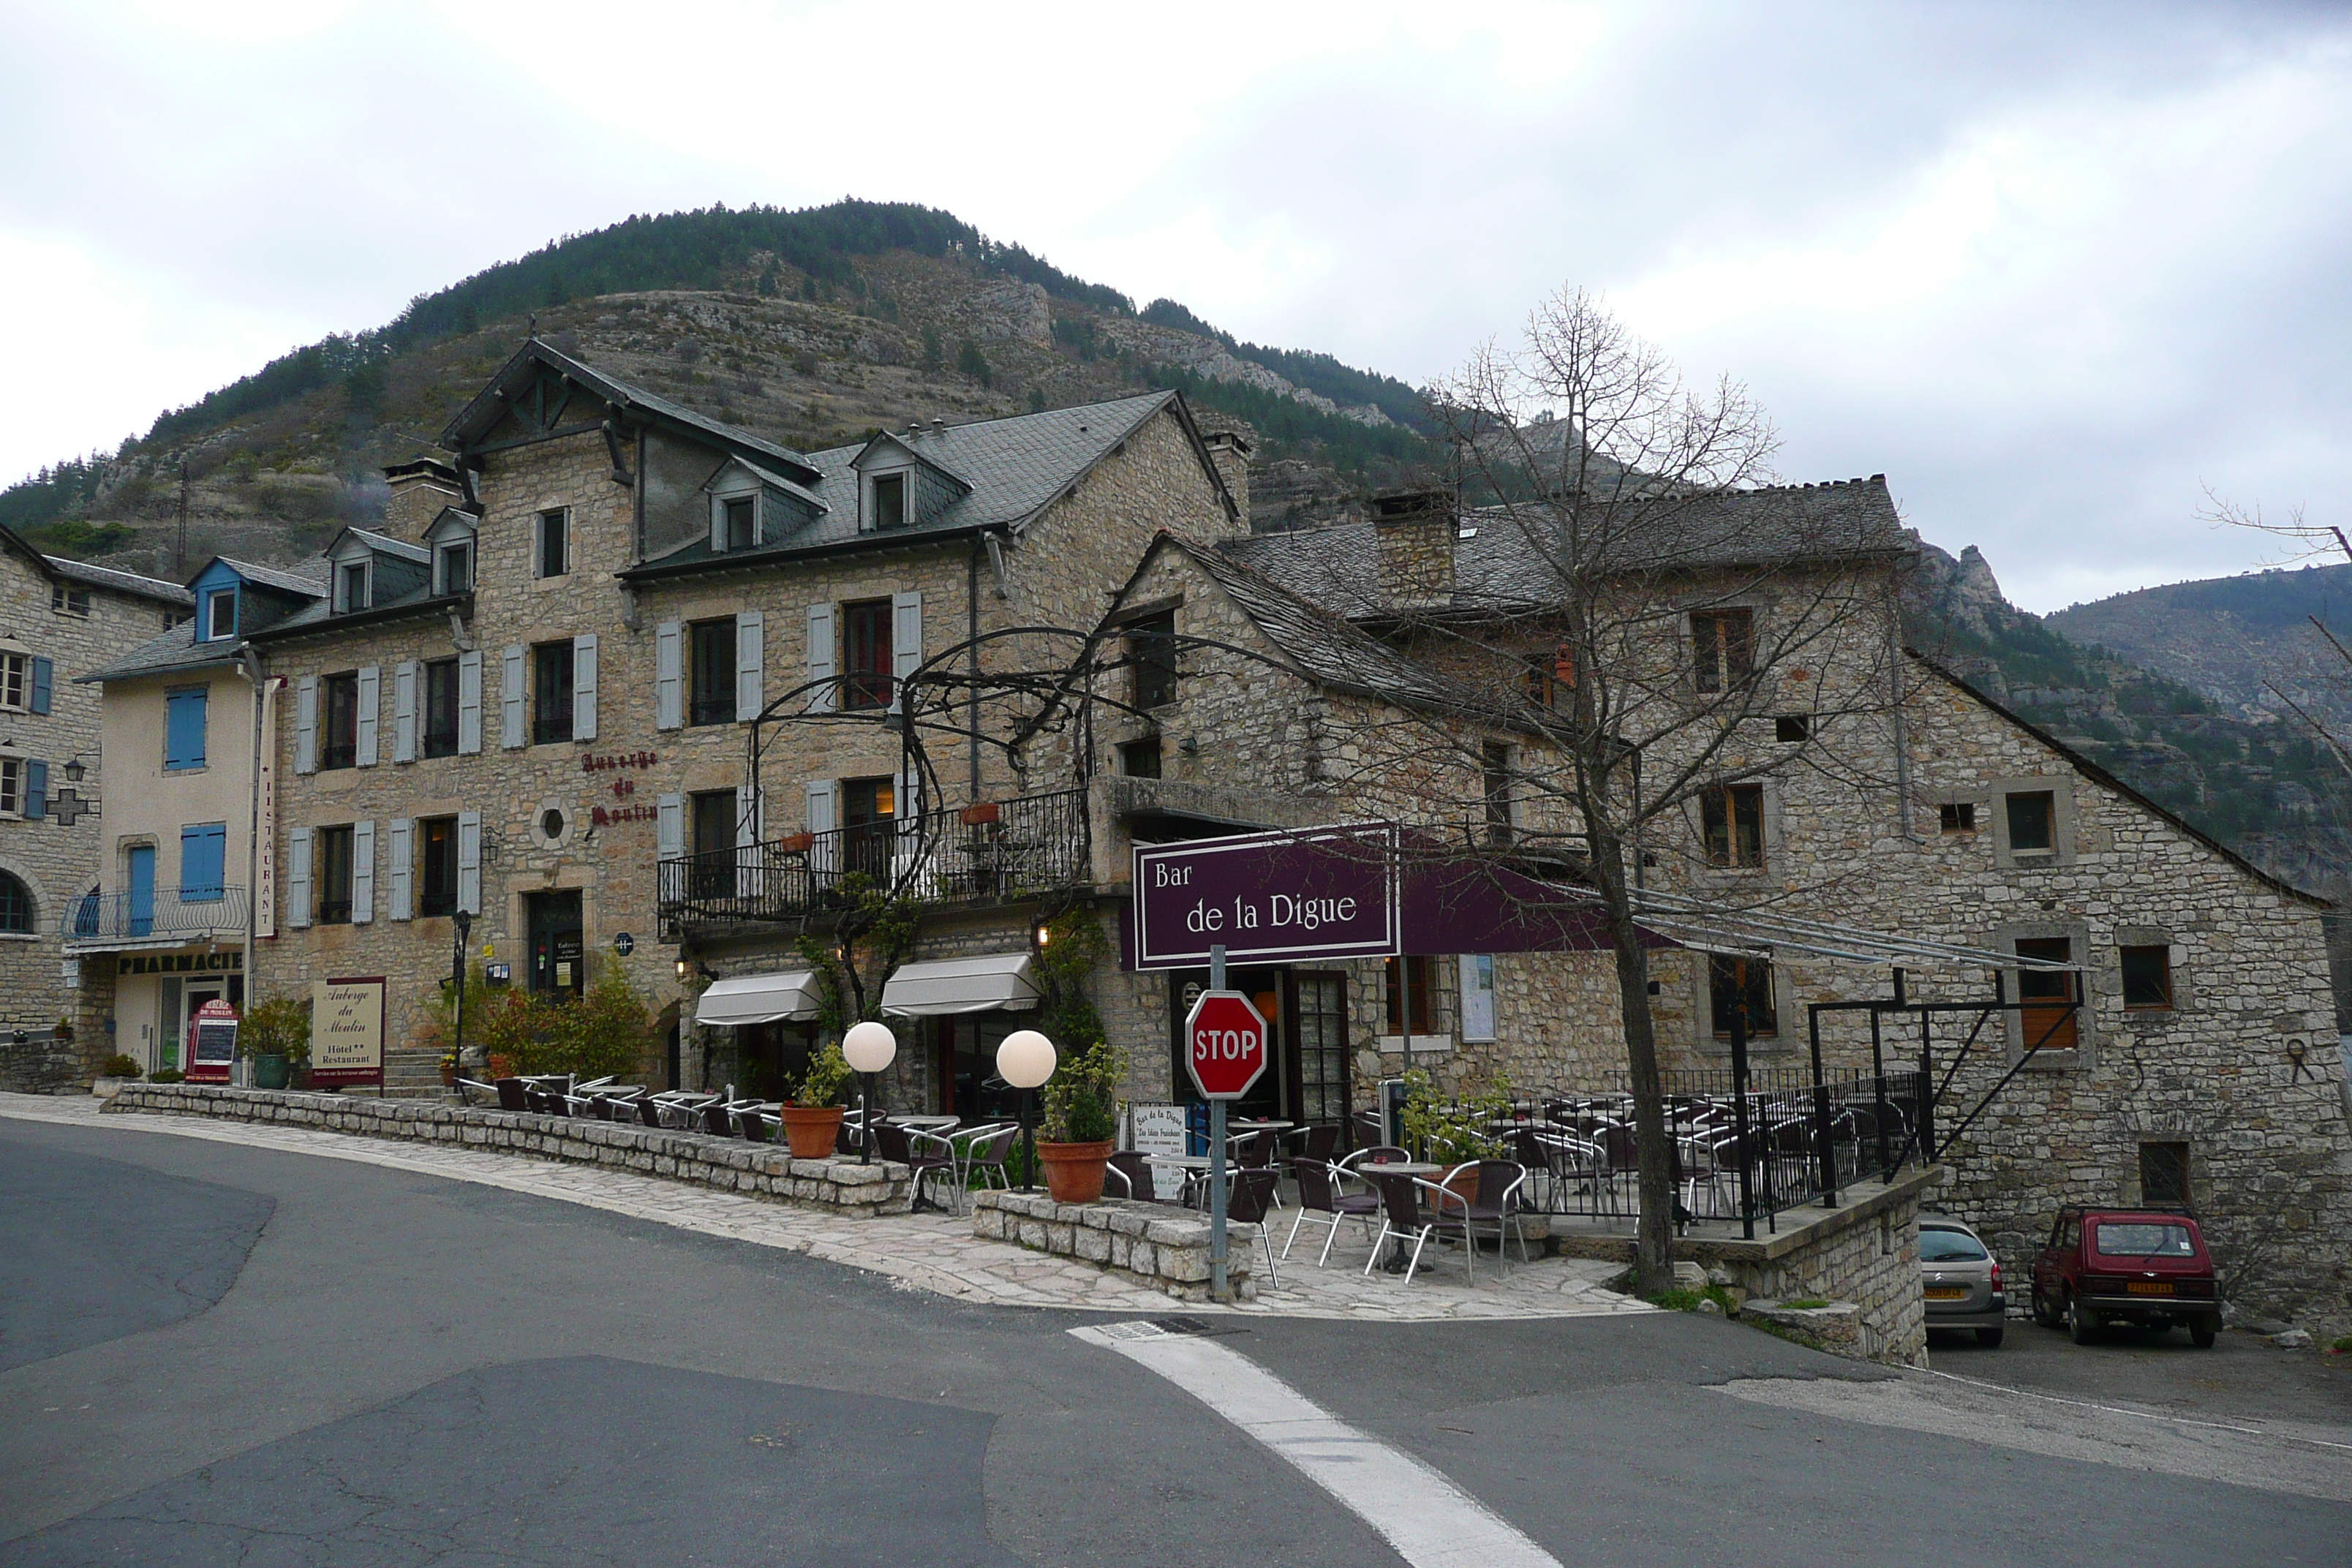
(1946, 1293)
(2149, 1287)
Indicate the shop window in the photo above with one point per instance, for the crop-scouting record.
(339, 747)
(332, 861)
(1737, 984)
(2047, 1020)
(1733, 821)
(2164, 1172)
(713, 654)
(1417, 974)
(866, 679)
(2147, 977)
(436, 858)
(441, 708)
(551, 689)
(1722, 648)
(1322, 1027)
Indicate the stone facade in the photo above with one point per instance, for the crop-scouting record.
(1165, 1249)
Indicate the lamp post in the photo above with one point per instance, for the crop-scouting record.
(868, 1048)
(1026, 1060)
(463, 923)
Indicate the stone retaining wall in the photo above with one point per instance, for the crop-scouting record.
(1152, 1244)
(726, 1165)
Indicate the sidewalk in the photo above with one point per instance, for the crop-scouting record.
(931, 1252)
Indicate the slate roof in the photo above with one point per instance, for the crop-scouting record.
(121, 581)
(1500, 562)
(386, 544)
(176, 649)
(1016, 467)
(310, 579)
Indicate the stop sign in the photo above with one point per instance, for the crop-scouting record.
(1224, 1044)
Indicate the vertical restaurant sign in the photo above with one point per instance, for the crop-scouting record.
(1304, 896)
(347, 1030)
(265, 785)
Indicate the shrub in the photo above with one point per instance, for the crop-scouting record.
(827, 1080)
(1450, 1130)
(605, 1033)
(119, 1065)
(278, 1027)
(167, 1074)
(1082, 1097)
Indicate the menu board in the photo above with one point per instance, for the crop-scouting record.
(1156, 1129)
(212, 1042)
(347, 1031)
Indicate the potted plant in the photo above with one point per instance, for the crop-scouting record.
(449, 1070)
(276, 1038)
(1081, 1120)
(118, 1070)
(812, 1117)
(1456, 1129)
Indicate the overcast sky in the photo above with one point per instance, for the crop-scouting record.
(2053, 269)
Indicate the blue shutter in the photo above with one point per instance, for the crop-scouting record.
(43, 678)
(184, 730)
(204, 860)
(36, 789)
(142, 902)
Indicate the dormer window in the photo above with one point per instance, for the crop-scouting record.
(740, 524)
(889, 502)
(352, 586)
(453, 568)
(220, 614)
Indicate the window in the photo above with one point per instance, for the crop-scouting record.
(1151, 647)
(334, 874)
(866, 679)
(741, 522)
(204, 862)
(2142, 1241)
(1494, 784)
(15, 681)
(711, 874)
(1938, 1245)
(184, 728)
(1957, 815)
(1722, 648)
(551, 718)
(455, 563)
(2163, 1173)
(1416, 976)
(16, 905)
(554, 543)
(2147, 977)
(2045, 1016)
(175, 617)
(351, 585)
(2032, 823)
(1141, 758)
(12, 786)
(68, 601)
(889, 500)
(1793, 728)
(1735, 985)
(1548, 686)
(869, 809)
(441, 708)
(713, 652)
(1733, 818)
(339, 747)
(436, 852)
(1323, 1042)
(220, 614)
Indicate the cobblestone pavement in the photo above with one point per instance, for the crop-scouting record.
(931, 1252)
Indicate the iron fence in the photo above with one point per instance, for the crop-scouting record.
(145, 916)
(995, 851)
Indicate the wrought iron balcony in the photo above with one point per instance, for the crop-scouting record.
(991, 852)
(163, 915)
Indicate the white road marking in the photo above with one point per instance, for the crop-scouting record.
(1430, 1522)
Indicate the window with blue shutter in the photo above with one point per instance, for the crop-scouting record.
(203, 858)
(37, 790)
(44, 682)
(184, 730)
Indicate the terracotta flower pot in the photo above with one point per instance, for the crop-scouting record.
(1465, 1183)
(1074, 1172)
(811, 1130)
(501, 1066)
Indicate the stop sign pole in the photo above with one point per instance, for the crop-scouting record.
(1223, 1034)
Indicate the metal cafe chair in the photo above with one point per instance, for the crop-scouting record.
(1249, 1198)
(1320, 1200)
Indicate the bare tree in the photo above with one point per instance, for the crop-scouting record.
(1636, 625)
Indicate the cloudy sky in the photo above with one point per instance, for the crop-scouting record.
(2053, 269)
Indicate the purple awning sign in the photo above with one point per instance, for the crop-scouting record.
(1312, 896)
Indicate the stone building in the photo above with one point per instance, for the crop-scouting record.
(59, 620)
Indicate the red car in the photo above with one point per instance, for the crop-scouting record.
(2147, 1268)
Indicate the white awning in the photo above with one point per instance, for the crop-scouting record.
(759, 999)
(944, 985)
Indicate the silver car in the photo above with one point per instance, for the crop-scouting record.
(1962, 1279)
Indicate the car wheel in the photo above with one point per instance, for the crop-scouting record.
(2042, 1312)
(2083, 1325)
(2201, 1334)
(1989, 1338)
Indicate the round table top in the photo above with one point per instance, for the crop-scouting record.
(926, 1122)
(1256, 1124)
(1189, 1162)
(1400, 1168)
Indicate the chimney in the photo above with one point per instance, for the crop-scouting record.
(419, 491)
(1414, 533)
(1229, 442)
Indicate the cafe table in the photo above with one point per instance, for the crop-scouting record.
(1421, 1169)
(1194, 1166)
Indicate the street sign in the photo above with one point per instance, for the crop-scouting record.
(1224, 1045)
(1307, 897)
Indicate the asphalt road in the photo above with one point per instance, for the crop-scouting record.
(216, 1354)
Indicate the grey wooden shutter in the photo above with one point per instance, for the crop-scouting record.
(306, 727)
(371, 711)
(297, 878)
(583, 687)
(400, 860)
(511, 697)
(469, 703)
(404, 712)
(44, 676)
(906, 640)
(37, 790)
(362, 873)
(823, 817)
(669, 827)
(820, 657)
(669, 676)
(469, 861)
(751, 665)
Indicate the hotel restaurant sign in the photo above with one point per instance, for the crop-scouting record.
(1316, 895)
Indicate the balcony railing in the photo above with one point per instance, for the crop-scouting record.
(1003, 850)
(161, 915)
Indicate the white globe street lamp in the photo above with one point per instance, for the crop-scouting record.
(868, 1048)
(1026, 1060)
